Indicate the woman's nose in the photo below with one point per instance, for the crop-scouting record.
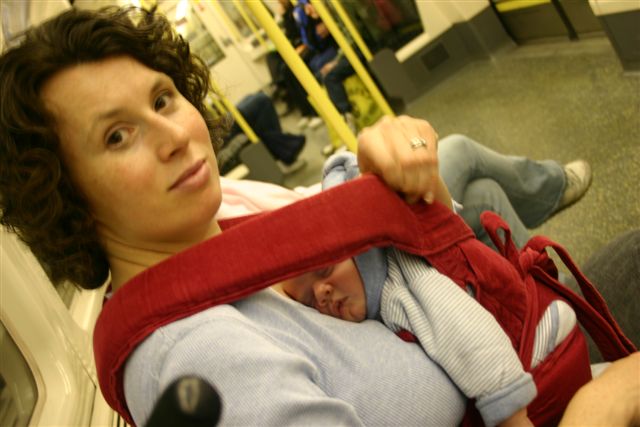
(171, 136)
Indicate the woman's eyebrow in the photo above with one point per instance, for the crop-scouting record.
(104, 116)
(158, 81)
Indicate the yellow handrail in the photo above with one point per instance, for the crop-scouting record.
(217, 103)
(302, 73)
(228, 22)
(235, 113)
(352, 57)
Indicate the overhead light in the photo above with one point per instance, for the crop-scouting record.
(182, 10)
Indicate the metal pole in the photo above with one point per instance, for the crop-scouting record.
(303, 74)
(236, 114)
(352, 57)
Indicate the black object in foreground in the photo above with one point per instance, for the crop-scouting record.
(188, 402)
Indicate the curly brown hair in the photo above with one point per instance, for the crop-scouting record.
(37, 198)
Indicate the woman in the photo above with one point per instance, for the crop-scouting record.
(108, 165)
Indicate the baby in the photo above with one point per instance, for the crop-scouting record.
(452, 328)
(406, 293)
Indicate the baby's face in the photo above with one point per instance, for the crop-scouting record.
(336, 290)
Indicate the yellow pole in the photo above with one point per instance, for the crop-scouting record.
(352, 57)
(148, 4)
(218, 104)
(250, 24)
(236, 114)
(228, 22)
(344, 16)
(303, 74)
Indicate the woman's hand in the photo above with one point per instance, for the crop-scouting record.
(392, 149)
(519, 419)
(611, 399)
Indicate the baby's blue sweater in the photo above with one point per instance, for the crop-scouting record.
(406, 293)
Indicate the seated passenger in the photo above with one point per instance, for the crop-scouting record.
(327, 62)
(283, 77)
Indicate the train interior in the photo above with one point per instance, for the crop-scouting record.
(543, 79)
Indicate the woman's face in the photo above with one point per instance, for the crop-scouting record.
(138, 151)
(336, 291)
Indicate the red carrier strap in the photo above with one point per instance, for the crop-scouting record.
(494, 226)
(591, 309)
(258, 252)
(567, 368)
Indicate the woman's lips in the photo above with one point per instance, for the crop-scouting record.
(193, 177)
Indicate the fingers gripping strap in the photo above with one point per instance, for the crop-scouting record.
(592, 310)
(263, 250)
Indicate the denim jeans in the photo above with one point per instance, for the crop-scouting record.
(333, 82)
(523, 192)
(259, 112)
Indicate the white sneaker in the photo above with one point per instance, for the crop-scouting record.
(303, 122)
(341, 149)
(293, 167)
(315, 122)
(351, 122)
(328, 150)
(578, 176)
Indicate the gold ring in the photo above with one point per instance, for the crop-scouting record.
(417, 142)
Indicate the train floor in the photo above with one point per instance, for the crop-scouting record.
(557, 100)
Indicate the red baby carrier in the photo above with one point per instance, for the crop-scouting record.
(257, 251)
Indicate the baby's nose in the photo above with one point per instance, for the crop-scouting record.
(322, 294)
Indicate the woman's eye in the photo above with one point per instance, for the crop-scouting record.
(161, 102)
(117, 137)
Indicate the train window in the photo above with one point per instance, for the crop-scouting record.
(18, 391)
(190, 26)
(385, 24)
(14, 17)
(235, 15)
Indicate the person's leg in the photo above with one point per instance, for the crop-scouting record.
(333, 82)
(321, 58)
(259, 112)
(485, 194)
(533, 188)
(296, 95)
(275, 65)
